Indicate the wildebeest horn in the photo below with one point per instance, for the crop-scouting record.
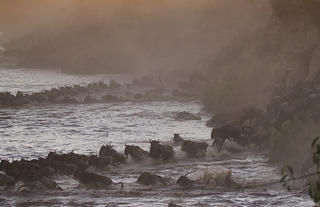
(188, 173)
(119, 183)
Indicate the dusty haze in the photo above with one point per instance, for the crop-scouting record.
(124, 36)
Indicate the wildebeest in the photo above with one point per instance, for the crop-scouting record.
(194, 149)
(41, 184)
(135, 152)
(93, 180)
(108, 151)
(99, 162)
(80, 161)
(177, 139)
(151, 179)
(159, 151)
(240, 134)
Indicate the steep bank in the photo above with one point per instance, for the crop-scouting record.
(274, 69)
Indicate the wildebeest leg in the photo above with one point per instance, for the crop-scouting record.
(218, 143)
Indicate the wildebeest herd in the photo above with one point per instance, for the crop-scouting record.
(38, 174)
(40, 170)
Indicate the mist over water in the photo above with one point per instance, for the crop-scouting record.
(224, 55)
(125, 36)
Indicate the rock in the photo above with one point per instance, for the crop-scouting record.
(149, 179)
(185, 182)
(186, 116)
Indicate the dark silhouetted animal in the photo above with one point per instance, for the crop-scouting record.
(194, 149)
(93, 180)
(135, 152)
(99, 162)
(107, 151)
(161, 152)
(151, 179)
(177, 139)
(239, 134)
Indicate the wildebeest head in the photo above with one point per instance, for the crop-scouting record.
(154, 148)
(177, 139)
(129, 150)
(176, 136)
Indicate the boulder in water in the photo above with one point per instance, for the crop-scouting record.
(149, 179)
(187, 116)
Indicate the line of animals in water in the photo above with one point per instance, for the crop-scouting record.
(98, 92)
(37, 172)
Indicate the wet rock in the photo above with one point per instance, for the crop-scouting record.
(107, 151)
(149, 179)
(185, 182)
(161, 152)
(194, 149)
(135, 152)
(6, 180)
(186, 116)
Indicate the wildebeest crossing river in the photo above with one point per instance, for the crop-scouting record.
(32, 131)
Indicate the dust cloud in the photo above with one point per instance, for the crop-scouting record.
(124, 36)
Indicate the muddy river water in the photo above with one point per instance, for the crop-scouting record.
(32, 131)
